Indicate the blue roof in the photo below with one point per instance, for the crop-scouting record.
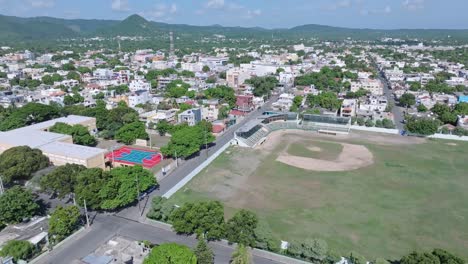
(463, 99)
(93, 259)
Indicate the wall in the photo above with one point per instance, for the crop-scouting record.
(376, 129)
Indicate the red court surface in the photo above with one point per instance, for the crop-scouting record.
(135, 156)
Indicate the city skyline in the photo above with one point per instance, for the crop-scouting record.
(380, 14)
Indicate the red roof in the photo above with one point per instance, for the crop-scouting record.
(238, 113)
(218, 128)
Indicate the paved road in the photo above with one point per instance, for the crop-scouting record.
(396, 110)
(129, 222)
(189, 165)
(106, 227)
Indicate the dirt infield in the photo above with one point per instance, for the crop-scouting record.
(351, 158)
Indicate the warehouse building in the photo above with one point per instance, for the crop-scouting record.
(58, 147)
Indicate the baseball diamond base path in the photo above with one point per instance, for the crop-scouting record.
(351, 158)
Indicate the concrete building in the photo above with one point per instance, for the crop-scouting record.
(375, 87)
(348, 108)
(58, 147)
(139, 85)
(191, 116)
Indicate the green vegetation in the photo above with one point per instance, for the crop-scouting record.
(186, 140)
(224, 93)
(71, 99)
(204, 253)
(171, 253)
(437, 256)
(79, 133)
(241, 228)
(422, 126)
(17, 204)
(62, 180)
(19, 163)
(177, 89)
(205, 218)
(29, 114)
(327, 100)
(112, 190)
(241, 255)
(63, 222)
(383, 210)
(129, 133)
(18, 249)
(262, 85)
(407, 100)
(326, 79)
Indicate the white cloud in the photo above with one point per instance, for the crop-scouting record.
(161, 12)
(120, 5)
(412, 5)
(41, 3)
(253, 13)
(215, 4)
(340, 4)
(386, 10)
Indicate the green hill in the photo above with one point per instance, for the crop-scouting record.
(13, 29)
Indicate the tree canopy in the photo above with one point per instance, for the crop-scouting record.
(263, 85)
(241, 255)
(241, 228)
(79, 133)
(29, 114)
(18, 249)
(188, 140)
(407, 100)
(171, 253)
(62, 179)
(327, 100)
(131, 132)
(422, 126)
(19, 163)
(224, 93)
(204, 253)
(63, 222)
(177, 89)
(17, 204)
(200, 218)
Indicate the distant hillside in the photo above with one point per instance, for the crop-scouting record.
(133, 25)
(47, 28)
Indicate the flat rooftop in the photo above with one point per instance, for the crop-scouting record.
(35, 136)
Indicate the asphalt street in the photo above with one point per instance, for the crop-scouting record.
(129, 222)
(396, 110)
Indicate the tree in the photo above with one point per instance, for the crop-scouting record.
(19, 163)
(381, 261)
(88, 185)
(121, 189)
(206, 68)
(130, 132)
(263, 85)
(446, 257)
(204, 253)
(369, 123)
(387, 123)
(311, 249)
(73, 75)
(29, 114)
(188, 140)
(62, 179)
(326, 100)
(241, 228)
(63, 222)
(163, 127)
(171, 253)
(241, 255)
(407, 100)
(18, 249)
(160, 209)
(422, 108)
(17, 204)
(177, 89)
(420, 258)
(200, 218)
(79, 133)
(422, 126)
(265, 239)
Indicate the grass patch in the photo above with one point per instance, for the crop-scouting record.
(414, 197)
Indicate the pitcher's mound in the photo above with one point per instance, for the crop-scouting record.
(351, 158)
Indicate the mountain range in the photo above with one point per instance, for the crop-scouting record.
(47, 28)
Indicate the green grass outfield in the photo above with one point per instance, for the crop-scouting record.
(414, 197)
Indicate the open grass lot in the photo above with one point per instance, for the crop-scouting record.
(413, 196)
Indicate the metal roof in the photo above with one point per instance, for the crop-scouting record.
(249, 125)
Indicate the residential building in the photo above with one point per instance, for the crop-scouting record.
(191, 116)
(348, 108)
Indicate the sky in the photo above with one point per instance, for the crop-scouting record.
(380, 14)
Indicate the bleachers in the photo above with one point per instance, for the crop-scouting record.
(282, 125)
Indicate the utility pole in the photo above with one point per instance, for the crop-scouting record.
(86, 213)
(176, 159)
(138, 193)
(2, 189)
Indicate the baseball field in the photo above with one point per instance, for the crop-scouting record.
(379, 195)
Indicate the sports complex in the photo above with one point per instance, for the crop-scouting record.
(130, 156)
(312, 177)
